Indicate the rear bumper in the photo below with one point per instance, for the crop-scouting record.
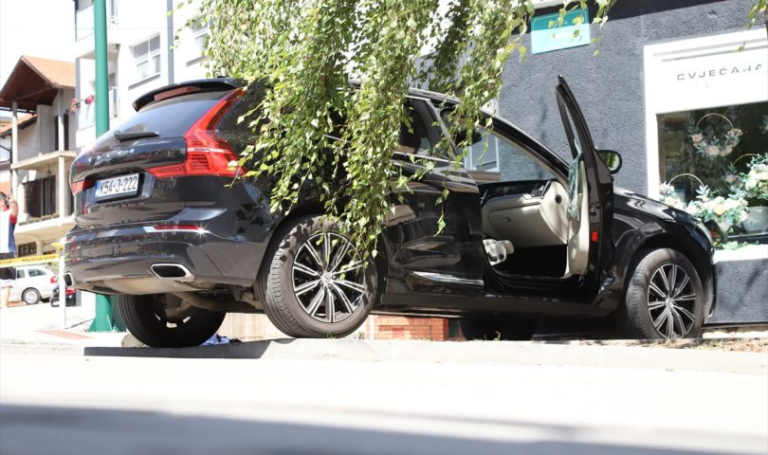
(121, 260)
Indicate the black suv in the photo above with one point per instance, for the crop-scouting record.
(528, 235)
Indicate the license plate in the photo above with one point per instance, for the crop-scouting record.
(125, 185)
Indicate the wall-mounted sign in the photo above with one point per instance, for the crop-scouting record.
(547, 35)
(705, 72)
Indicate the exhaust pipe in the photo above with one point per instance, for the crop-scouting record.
(171, 272)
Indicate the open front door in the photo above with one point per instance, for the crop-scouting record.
(591, 193)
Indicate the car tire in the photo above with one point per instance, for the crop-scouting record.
(31, 296)
(650, 310)
(164, 321)
(306, 295)
(498, 329)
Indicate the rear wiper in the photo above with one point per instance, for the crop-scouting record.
(120, 136)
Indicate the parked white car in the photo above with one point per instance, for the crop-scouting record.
(33, 283)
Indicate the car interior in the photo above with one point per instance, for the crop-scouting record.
(530, 226)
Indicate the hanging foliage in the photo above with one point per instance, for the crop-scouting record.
(305, 54)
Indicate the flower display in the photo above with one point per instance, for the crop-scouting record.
(669, 197)
(755, 182)
(722, 210)
(713, 142)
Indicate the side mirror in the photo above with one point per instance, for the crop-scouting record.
(611, 159)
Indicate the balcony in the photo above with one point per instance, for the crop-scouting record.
(84, 30)
(45, 200)
(84, 20)
(86, 114)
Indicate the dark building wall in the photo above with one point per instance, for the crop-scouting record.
(610, 87)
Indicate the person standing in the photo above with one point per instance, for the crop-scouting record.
(9, 210)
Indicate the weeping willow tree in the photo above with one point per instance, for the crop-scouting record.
(305, 52)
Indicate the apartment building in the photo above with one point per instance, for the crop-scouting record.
(142, 55)
(39, 148)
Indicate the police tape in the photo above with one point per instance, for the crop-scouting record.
(29, 260)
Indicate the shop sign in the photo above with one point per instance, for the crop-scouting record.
(709, 72)
(724, 71)
(547, 35)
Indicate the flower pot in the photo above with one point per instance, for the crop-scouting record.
(757, 221)
(724, 226)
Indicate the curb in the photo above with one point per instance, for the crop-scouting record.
(521, 353)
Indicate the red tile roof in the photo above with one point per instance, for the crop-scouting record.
(36, 80)
(59, 73)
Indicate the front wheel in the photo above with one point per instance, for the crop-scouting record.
(497, 329)
(316, 282)
(664, 297)
(166, 321)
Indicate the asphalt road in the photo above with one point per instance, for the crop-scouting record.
(70, 404)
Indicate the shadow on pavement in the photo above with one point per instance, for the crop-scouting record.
(65, 431)
(247, 350)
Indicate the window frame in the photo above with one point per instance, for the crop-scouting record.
(198, 32)
(148, 57)
(556, 165)
(80, 6)
(438, 128)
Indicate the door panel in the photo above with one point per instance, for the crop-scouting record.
(596, 184)
(453, 258)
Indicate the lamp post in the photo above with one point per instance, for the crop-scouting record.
(104, 321)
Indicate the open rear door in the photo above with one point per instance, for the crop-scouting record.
(591, 205)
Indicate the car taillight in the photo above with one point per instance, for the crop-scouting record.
(71, 291)
(177, 227)
(54, 279)
(82, 185)
(207, 153)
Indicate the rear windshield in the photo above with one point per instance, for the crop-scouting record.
(172, 117)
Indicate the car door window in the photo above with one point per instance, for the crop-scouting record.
(421, 135)
(20, 274)
(496, 158)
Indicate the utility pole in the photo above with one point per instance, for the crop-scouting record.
(104, 320)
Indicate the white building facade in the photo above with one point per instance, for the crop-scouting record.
(142, 51)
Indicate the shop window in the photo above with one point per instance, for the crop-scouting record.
(714, 164)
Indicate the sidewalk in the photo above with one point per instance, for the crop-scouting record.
(41, 325)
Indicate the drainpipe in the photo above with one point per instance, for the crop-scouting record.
(170, 36)
(61, 175)
(14, 147)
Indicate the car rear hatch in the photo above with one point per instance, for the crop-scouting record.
(136, 172)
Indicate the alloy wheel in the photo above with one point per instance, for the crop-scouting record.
(328, 277)
(672, 301)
